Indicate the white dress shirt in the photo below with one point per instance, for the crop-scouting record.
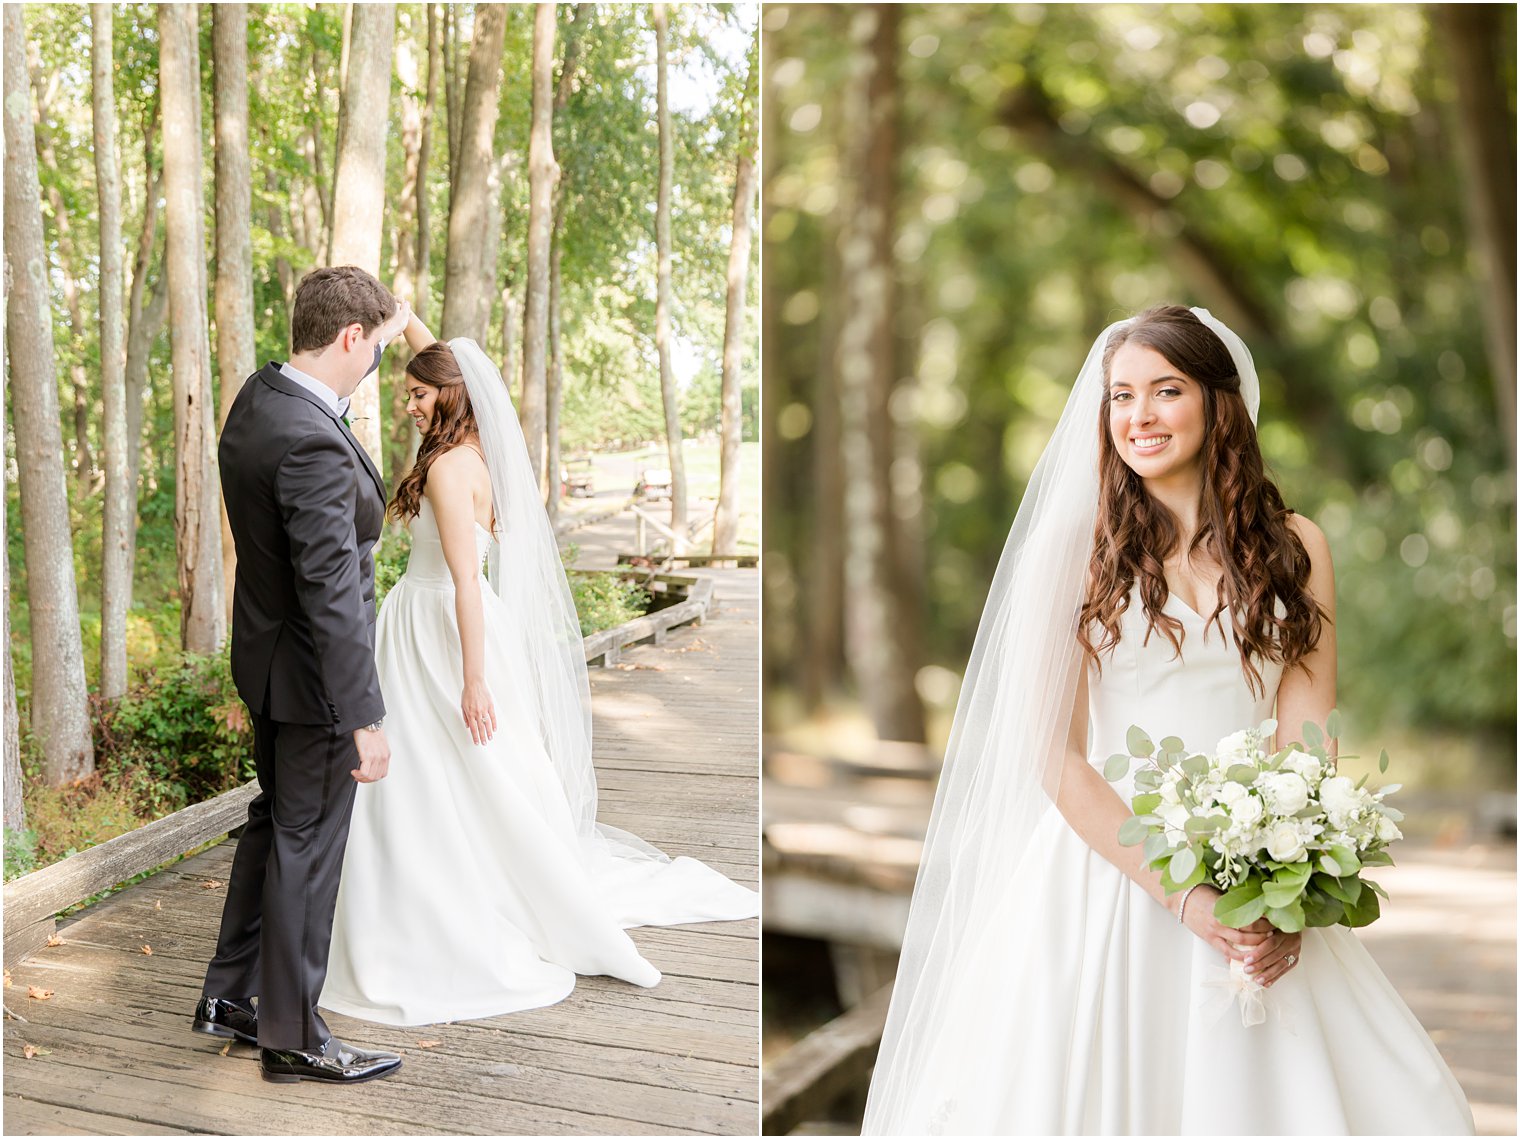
(317, 388)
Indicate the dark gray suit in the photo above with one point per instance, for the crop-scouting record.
(306, 506)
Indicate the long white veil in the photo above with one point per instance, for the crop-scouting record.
(525, 570)
(1003, 761)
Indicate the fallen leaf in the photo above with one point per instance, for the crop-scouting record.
(147, 951)
(30, 1050)
(38, 994)
(159, 904)
(225, 1048)
(211, 884)
(428, 1043)
(54, 941)
(7, 978)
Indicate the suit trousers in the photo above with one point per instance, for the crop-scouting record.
(278, 916)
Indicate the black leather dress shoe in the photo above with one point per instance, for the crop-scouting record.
(217, 1017)
(335, 1062)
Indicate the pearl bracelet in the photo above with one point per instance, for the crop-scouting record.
(1182, 905)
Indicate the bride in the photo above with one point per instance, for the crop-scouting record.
(476, 879)
(1048, 985)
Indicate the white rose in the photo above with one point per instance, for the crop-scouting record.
(1388, 831)
(1247, 812)
(1231, 794)
(1239, 747)
(1285, 792)
(1302, 763)
(1174, 815)
(1339, 796)
(1284, 843)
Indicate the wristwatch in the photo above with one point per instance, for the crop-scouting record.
(375, 727)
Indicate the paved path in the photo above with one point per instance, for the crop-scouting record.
(676, 732)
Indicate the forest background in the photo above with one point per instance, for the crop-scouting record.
(569, 185)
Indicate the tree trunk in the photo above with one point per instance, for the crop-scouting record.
(467, 278)
(58, 700)
(359, 183)
(274, 218)
(451, 94)
(196, 498)
(143, 326)
(543, 172)
(68, 263)
(553, 390)
(405, 285)
(511, 328)
(554, 393)
(234, 235)
(880, 620)
(15, 807)
(1485, 134)
(120, 499)
(725, 538)
(424, 287)
(668, 394)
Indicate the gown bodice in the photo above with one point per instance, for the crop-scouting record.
(1201, 695)
(426, 564)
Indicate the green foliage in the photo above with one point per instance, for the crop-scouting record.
(1291, 143)
(180, 736)
(20, 852)
(604, 599)
(391, 553)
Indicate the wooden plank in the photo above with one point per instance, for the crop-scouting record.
(33, 1117)
(34, 898)
(805, 1080)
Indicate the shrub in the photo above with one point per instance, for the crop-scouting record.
(20, 852)
(180, 736)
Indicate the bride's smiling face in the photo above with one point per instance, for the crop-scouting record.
(1155, 413)
(420, 401)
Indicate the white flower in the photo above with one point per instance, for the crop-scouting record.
(1285, 792)
(1284, 842)
(1302, 763)
(1339, 796)
(1247, 812)
(1388, 831)
(1231, 794)
(1239, 747)
(1174, 815)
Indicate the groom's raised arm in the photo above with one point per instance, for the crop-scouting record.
(315, 489)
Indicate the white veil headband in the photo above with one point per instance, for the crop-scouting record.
(1003, 762)
(525, 571)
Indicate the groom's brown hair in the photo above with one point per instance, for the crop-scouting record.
(328, 300)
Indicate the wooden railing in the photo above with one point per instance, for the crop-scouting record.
(829, 1063)
(33, 900)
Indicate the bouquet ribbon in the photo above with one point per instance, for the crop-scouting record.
(1234, 986)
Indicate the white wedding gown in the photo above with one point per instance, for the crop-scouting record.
(466, 891)
(1110, 1018)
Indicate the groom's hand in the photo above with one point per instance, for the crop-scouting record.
(374, 755)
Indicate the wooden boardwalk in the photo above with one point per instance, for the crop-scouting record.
(676, 749)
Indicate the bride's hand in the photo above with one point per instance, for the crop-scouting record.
(479, 711)
(1271, 960)
(1234, 943)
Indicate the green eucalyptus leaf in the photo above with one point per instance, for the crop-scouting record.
(1330, 866)
(1183, 863)
(1156, 847)
(1198, 826)
(1383, 761)
(1195, 766)
(1312, 734)
(1242, 905)
(1116, 768)
(1145, 804)
(1147, 779)
(1333, 723)
(1173, 744)
(1133, 831)
(1243, 773)
(1138, 742)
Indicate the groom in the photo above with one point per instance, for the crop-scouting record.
(305, 505)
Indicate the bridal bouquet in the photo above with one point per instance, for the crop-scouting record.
(1283, 835)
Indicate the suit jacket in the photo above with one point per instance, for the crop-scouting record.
(306, 506)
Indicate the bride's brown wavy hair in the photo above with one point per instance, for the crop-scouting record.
(453, 423)
(1242, 521)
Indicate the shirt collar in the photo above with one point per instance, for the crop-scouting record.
(317, 388)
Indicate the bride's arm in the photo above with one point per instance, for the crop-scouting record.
(450, 489)
(1095, 811)
(1307, 691)
(418, 338)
